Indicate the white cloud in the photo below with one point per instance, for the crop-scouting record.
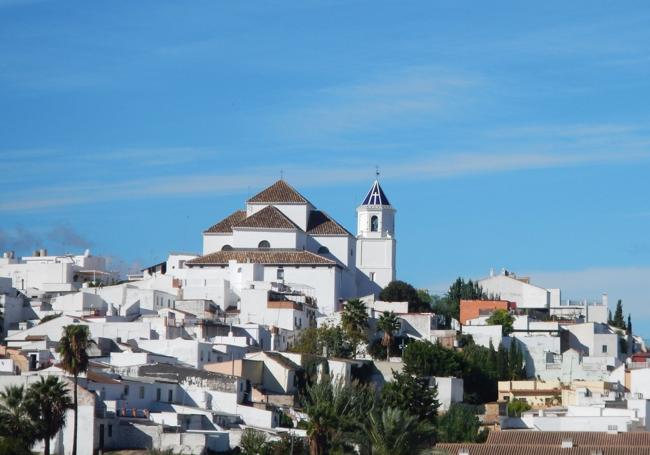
(421, 167)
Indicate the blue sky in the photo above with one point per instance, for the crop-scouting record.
(509, 134)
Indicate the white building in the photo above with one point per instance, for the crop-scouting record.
(281, 237)
(507, 286)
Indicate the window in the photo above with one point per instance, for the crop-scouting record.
(170, 395)
(158, 392)
(126, 390)
(604, 348)
(226, 248)
(374, 223)
(141, 395)
(110, 431)
(323, 250)
(264, 244)
(372, 276)
(241, 387)
(280, 274)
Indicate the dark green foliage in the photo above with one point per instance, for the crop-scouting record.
(337, 416)
(393, 431)
(479, 367)
(619, 319)
(377, 350)
(412, 395)
(252, 442)
(515, 361)
(516, 407)
(388, 323)
(502, 318)
(47, 403)
(399, 291)
(459, 424)
(354, 321)
(462, 290)
(629, 324)
(423, 358)
(16, 426)
(331, 340)
(13, 446)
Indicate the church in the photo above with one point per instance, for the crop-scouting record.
(281, 237)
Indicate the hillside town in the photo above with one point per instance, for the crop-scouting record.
(289, 333)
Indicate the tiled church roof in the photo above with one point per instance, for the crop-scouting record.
(278, 193)
(375, 196)
(271, 257)
(225, 226)
(579, 438)
(267, 218)
(321, 224)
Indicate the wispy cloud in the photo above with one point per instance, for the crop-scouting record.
(411, 94)
(422, 166)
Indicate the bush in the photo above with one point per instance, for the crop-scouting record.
(516, 407)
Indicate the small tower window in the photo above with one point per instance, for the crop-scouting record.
(264, 244)
(323, 250)
(374, 223)
(226, 248)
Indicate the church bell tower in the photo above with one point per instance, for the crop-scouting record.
(376, 239)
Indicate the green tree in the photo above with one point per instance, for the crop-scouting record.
(412, 395)
(515, 361)
(423, 358)
(619, 319)
(399, 291)
(252, 442)
(15, 423)
(462, 290)
(389, 324)
(394, 431)
(74, 359)
(48, 401)
(502, 363)
(502, 318)
(328, 341)
(337, 413)
(629, 324)
(516, 407)
(459, 424)
(354, 320)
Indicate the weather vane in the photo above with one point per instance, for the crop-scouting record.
(377, 171)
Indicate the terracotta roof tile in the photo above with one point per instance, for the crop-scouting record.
(321, 224)
(225, 226)
(495, 449)
(267, 218)
(517, 437)
(274, 257)
(279, 192)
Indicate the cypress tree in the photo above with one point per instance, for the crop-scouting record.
(629, 324)
(492, 362)
(512, 360)
(619, 319)
(502, 363)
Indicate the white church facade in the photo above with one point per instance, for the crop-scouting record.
(281, 237)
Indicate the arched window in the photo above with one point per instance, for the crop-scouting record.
(264, 244)
(226, 248)
(323, 250)
(374, 223)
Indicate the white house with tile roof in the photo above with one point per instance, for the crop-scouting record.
(294, 243)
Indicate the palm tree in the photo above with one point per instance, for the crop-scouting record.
(336, 415)
(389, 324)
(74, 359)
(15, 423)
(396, 432)
(48, 401)
(355, 321)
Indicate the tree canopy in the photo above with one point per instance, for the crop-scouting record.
(504, 319)
(400, 291)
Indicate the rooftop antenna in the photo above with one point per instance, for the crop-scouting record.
(281, 174)
(377, 172)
